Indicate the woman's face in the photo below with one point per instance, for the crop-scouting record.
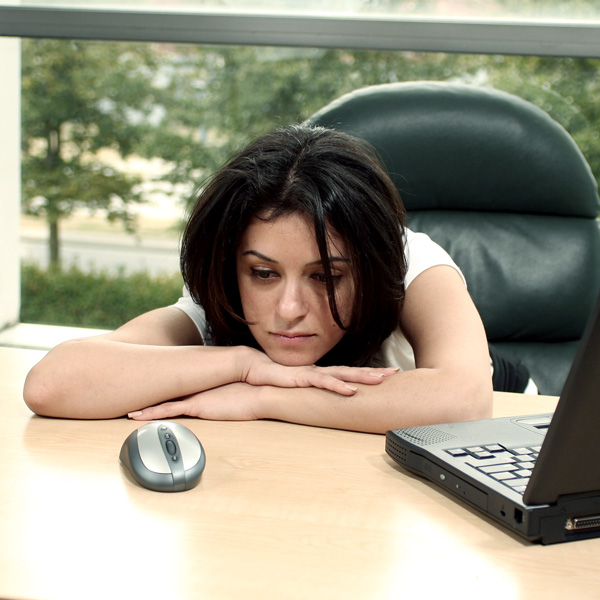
(282, 288)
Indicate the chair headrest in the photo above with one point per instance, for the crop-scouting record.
(463, 147)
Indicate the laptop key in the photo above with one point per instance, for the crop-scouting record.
(497, 459)
(517, 482)
(520, 450)
(503, 476)
(498, 468)
(457, 452)
(522, 457)
(483, 454)
(526, 465)
(494, 448)
(523, 473)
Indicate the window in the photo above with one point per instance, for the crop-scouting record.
(501, 42)
(557, 28)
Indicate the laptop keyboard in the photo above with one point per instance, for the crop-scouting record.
(510, 466)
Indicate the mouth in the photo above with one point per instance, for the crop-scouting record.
(292, 338)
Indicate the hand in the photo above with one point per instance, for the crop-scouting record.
(231, 402)
(238, 401)
(261, 370)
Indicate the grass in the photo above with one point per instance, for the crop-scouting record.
(97, 299)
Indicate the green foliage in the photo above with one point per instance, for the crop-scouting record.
(79, 99)
(97, 300)
(193, 106)
(216, 99)
(566, 88)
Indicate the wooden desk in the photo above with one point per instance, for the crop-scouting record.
(282, 512)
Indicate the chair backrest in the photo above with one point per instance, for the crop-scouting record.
(506, 191)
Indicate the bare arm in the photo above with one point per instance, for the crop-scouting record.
(108, 375)
(157, 357)
(452, 381)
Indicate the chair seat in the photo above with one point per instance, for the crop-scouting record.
(548, 363)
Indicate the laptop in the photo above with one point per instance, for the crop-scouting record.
(537, 475)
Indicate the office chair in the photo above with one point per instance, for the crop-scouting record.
(506, 191)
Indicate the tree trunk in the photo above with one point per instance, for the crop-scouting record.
(54, 244)
(52, 160)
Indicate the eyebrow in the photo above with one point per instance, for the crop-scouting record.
(332, 259)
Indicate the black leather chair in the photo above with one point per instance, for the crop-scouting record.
(506, 191)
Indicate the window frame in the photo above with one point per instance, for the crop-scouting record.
(541, 38)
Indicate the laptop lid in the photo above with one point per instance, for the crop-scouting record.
(568, 461)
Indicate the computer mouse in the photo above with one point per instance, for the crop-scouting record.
(164, 456)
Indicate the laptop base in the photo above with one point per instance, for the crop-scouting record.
(572, 518)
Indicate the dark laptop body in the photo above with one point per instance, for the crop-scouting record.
(558, 499)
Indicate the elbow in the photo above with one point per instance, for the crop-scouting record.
(40, 394)
(476, 398)
(37, 395)
(463, 397)
(50, 387)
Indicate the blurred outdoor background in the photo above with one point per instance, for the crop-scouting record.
(117, 136)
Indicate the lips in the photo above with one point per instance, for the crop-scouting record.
(292, 337)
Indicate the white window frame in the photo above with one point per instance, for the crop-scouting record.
(542, 38)
(10, 180)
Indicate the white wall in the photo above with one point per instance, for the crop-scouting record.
(10, 179)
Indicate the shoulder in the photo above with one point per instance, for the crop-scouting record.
(422, 253)
(195, 312)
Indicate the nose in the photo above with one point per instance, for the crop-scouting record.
(292, 303)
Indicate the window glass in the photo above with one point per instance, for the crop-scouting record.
(116, 136)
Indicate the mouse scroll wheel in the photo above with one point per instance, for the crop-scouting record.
(171, 447)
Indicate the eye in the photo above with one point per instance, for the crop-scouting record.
(320, 277)
(263, 274)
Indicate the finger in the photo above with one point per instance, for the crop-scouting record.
(328, 382)
(388, 371)
(361, 375)
(162, 411)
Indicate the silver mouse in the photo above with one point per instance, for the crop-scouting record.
(164, 456)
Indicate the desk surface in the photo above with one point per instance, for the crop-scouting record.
(282, 511)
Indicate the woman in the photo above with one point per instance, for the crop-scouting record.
(306, 301)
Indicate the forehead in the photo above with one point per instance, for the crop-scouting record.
(289, 231)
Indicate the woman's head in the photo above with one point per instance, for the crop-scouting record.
(335, 184)
(283, 289)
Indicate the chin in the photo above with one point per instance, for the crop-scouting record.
(290, 360)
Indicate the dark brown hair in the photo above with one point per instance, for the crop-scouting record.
(336, 182)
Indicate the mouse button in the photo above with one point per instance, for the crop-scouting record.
(190, 446)
(151, 451)
(191, 452)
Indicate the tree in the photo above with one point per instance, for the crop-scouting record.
(80, 100)
(193, 106)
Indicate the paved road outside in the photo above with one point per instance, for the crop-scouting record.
(104, 251)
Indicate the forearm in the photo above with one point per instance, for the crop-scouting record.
(411, 398)
(94, 378)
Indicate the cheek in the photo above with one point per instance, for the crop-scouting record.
(246, 298)
(250, 304)
(258, 305)
(344, 299)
